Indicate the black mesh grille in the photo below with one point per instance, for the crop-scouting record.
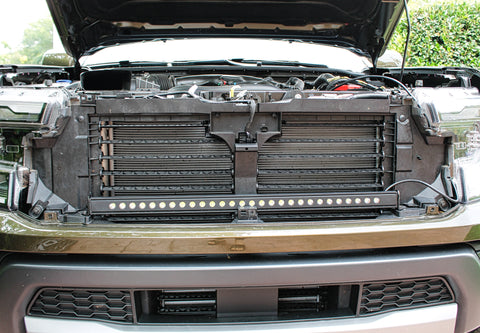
(382, 297)
(110, 305)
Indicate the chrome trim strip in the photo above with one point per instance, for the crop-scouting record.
(21, 233)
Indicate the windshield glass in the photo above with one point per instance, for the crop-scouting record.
(223, 48)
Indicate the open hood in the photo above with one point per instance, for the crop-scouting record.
(362, 25)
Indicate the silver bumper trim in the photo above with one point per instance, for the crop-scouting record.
(435, 319)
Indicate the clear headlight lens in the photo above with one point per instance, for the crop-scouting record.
(7, 171)
(4, 178)
(457, 111)
(13, 180)
(468, 172)
(464, 122)
(8, 113)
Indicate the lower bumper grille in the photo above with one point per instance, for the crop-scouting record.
(383, 297)
(317, 302)
(109, 305)
(211, 305)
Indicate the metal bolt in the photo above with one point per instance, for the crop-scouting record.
(37, 210)
(443, 204)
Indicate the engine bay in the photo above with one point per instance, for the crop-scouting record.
(185, 145)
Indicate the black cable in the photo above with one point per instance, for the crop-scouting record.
(253, 109)
(407, 39)
(340, 82)
(425, 184)
(376, 77)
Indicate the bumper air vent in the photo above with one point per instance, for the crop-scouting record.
(108, 305)
(383, 297)
(187, 302)
(176, 306)
(317, 302)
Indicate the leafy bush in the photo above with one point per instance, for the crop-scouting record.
(443, 34)
(37, 39)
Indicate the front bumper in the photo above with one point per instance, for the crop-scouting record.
(438, 319)
(21, 276)
(19, 233)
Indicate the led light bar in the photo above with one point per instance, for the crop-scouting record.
(178, 204)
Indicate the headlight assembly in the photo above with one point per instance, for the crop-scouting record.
(456, 111)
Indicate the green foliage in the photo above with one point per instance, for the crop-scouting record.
(37, 39)
(443, 34)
